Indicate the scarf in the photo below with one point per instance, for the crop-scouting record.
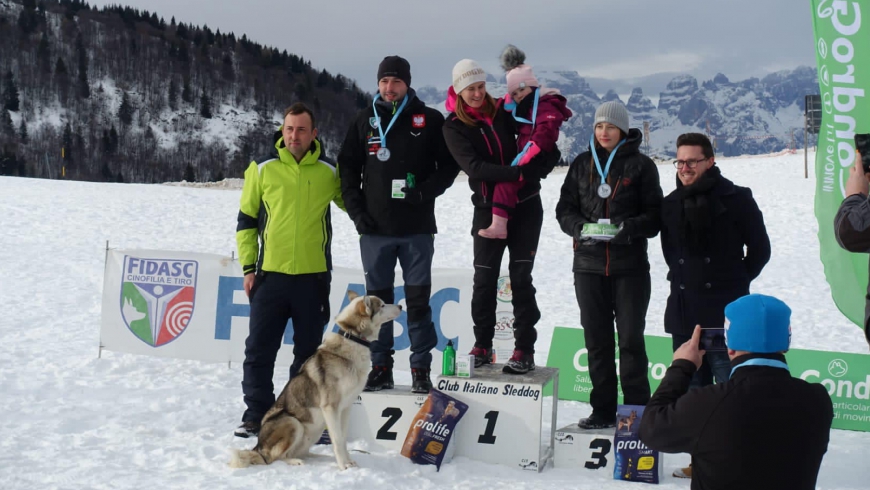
(699, 208)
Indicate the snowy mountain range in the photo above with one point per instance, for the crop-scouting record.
(752, 116)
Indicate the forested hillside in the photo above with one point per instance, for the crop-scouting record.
(120, 94)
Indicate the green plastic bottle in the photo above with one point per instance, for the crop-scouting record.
(448, 360)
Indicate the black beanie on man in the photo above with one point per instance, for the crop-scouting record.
(395, 66)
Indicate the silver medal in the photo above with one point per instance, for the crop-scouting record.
(384, 155)
(604, 191)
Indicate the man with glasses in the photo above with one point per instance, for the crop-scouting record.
(706, 223)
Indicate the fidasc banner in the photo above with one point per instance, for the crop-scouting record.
(846, 376)
(842, 54)
(193, 306)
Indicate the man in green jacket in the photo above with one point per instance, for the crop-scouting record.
(284, 236)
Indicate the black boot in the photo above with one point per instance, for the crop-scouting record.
(481, 356)
(597, 421)
(380, 378)
(247, 429)
(519, 363)
(421, 382)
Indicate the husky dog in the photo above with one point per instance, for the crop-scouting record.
(323, 391)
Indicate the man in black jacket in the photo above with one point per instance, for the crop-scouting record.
(763, 429)
(852, 223)
(706, 223)
(393, 164)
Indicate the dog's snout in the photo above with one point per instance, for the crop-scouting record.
(400, 307)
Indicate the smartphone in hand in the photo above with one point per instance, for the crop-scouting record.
(862, 144)
(713, 340)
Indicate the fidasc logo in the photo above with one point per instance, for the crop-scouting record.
(838, 368)
(157, 297)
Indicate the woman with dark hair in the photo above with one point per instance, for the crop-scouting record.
(610, 206)
(481, 135)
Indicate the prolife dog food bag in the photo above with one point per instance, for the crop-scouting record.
(634, 460)
(428, 440)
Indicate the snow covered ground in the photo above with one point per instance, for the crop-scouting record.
(72, 421)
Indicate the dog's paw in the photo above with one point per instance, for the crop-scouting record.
(294, 462)
(350, 464)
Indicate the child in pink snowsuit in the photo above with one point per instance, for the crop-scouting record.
(540, 113)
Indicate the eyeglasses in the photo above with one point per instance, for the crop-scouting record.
(688, 163)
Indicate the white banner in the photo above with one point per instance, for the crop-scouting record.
(193, 306)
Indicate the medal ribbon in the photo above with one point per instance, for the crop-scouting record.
(761, 362)
(383, 133)
(603, 173)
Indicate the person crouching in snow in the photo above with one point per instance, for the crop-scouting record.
(539, 112)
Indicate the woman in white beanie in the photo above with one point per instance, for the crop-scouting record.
(481, 135)
(610, 205)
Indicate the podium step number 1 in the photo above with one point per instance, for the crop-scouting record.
(503, 424)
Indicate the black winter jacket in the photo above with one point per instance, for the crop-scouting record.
(416, 145)
(852, 229)
(703, 283)
(635, 203)
(763, 429)
(485, 153)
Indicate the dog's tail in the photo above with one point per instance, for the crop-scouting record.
(242, 458)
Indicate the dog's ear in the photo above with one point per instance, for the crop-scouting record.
(373, 303)
(351, 295)
(362, 308)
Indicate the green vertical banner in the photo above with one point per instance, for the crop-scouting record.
(843, 57)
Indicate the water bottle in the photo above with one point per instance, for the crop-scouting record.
(448, 360)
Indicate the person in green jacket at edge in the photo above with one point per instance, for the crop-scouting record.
(284, 238)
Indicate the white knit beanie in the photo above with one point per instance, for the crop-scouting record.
(613, 113)
(465, 73)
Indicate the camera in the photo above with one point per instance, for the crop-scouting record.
(713, 340)
(862, 144)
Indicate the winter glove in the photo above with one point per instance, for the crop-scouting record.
(365, 224)
(531, 151)
(532, 172)
(580, 239)
(623, 236)
(413, 195)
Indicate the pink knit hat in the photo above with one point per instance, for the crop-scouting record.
(520, 77)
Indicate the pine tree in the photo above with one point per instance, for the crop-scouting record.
(84, 89)
(43, 54)
(6, 126)
(11, 101)
(188, 173)
(186, 92)
(173, 95)
(22, 132)
(125, 112)
(205, 105)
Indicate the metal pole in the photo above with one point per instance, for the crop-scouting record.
(105, 264)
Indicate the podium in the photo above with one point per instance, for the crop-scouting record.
(503, 424)
(382, 418)
(580, 448)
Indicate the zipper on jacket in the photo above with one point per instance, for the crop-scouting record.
(607, 215)
(497, 140)
(491, 153)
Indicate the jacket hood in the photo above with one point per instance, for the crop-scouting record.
(450, 104)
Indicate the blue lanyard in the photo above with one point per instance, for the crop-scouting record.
(761, 362)
(603, 174)
(534, 111)
(395, 116)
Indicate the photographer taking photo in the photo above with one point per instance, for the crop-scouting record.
(852, 222)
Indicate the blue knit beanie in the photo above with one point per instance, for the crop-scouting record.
(758, 323)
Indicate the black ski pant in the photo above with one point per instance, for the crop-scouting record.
(414, 253)
(603, 299)
(275, 299)
(524, 232)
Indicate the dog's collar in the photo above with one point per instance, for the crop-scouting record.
(350, 336)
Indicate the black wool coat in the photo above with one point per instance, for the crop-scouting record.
(703, 282)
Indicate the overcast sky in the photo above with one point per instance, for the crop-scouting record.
(616, 39)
